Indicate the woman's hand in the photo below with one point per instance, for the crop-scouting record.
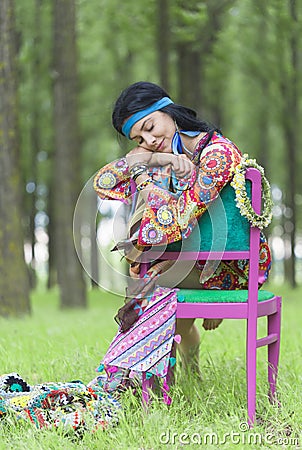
(181, 164)
(138, 155)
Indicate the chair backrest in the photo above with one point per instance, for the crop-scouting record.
(220, 228)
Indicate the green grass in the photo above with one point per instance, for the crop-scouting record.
(54, 345)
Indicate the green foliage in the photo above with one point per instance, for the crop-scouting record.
(35, 82)
(190, 18)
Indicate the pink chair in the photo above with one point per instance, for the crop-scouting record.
(237, 304)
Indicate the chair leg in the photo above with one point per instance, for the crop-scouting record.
(147, 385)
(251, 358)
(273, 326)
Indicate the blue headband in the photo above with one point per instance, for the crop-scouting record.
(126, 128)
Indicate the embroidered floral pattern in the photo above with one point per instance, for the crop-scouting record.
(164, 216)
(151, 234)
(107, 181)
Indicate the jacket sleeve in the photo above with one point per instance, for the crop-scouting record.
(112, 182)
(169, 218)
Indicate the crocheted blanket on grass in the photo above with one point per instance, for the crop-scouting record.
(72, 406)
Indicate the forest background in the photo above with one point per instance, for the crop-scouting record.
(62, 65)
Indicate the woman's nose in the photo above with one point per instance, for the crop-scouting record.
(150, 139)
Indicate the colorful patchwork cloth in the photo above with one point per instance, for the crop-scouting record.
(70, 406)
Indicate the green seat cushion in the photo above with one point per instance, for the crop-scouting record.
(220, 228)
(218, 296)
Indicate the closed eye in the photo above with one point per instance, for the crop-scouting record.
(150, 128)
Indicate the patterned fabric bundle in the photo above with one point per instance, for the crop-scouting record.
(73, 407)
(146, 347)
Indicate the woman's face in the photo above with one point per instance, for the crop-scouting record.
(154, 132)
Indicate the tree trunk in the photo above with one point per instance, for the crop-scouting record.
(52, 279)
(35, 132)
(188, 61)
(192, 53)
(289, 120)
(163, 42)
(14, 283)
(67, 154)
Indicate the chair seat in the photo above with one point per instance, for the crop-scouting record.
(218, 296)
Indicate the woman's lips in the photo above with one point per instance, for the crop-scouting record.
(160, 145)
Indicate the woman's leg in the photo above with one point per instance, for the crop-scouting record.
(211, 324)
(189, 346)
(192, 282)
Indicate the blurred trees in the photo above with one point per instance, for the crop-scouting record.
(67, 161)
(290, 63)
(235, 62)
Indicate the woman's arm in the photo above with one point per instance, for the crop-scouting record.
(112, 181)
(139, 157)
(181, 164)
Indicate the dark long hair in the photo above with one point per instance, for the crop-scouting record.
(142, 94)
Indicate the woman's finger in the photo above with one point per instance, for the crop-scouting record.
(138, 155)
(182, 166)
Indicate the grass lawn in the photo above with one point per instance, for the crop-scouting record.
(52, 345)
